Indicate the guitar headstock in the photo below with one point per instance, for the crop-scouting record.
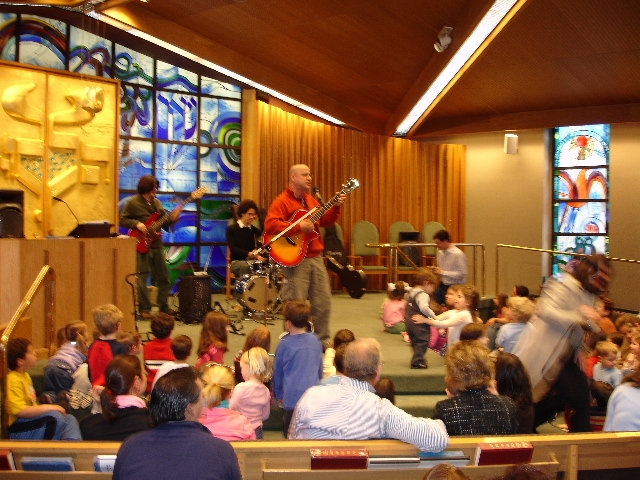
(350, 186)
(199, 192)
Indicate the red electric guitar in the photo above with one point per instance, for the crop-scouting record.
(155, 222)
(289, 250)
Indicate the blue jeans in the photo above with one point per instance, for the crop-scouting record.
(67, 427)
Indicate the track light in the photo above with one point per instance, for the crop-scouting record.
(444, 39)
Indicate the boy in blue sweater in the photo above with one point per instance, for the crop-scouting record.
(298, 363)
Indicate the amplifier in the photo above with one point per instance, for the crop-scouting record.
(194, 296)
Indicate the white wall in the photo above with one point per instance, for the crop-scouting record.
(508, 201)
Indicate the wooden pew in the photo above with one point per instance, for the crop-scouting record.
(602, 453)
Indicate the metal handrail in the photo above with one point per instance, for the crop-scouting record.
(6, 334)
(542, 250)
(396, 248)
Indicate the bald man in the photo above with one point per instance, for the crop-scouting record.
(309, 279)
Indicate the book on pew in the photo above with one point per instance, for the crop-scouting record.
(48, 464)
(457, 458)
(104, 463)
(503, 453)
(339, 458)
(6, 459)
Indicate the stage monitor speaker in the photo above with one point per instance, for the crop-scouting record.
(510, 144)
(194, 295)
(412, 252)
(11, 214)
(92, 230)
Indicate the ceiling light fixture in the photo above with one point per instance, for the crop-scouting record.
(444, 39)
(459, 61)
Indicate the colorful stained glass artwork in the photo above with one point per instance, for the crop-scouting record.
(586, 244)
(184, 230)
(215, 214)
(176, 78)
(211, 86)
(177, 257)
(43, 42)
(220, 122)
(177, 117)
(578, 186)
(132, 67)
(176, 167)
(8, 26)
(208, 119)
(89, 54)
(222, 166)
(136, 160)
(589, 218)
(582, 146)
(216, 258)
(136, 111)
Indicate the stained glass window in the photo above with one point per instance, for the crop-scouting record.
(580, 191)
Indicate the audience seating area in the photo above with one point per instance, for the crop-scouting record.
(573, 456)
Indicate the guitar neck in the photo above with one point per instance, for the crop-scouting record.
(317, 215)
(158, 224)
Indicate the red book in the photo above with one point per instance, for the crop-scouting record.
(503, 453)
(339, 458)
(6, 460)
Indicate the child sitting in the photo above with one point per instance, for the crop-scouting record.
(604, 307)
(66, 371)
(132, 340)
(158, 351)
(606, 370)
(418, 300)
(630, 363)
(298, 364)
(213, 339)
(475, 331)
(27, 419)
(108, 320)
(393, 309)
(342, 337)
(251, 397)
(519, 312)
(181, 347)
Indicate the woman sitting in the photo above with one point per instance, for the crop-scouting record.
(622, 410)
(123, 411)
(471, 408)
(224, 423)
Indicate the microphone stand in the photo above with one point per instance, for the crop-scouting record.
(58, 199)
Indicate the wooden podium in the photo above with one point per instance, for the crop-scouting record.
(88, 272)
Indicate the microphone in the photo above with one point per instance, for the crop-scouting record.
(58, 199)
(317, 192)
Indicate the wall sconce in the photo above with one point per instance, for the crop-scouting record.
(444, 39)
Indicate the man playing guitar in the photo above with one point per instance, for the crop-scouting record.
(135, 213)
(309, 279)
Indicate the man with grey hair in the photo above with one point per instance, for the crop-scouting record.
(350, 410)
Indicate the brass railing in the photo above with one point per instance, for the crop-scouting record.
(49, 326)
(395, 249)
(542, 250)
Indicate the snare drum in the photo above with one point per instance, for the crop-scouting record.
(256, 292)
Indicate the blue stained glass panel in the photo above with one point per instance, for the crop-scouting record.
(177, 117)
(43, 42)
(136, 111)
(89, 54)
(176, 167)
(184, 230)
(176, 78)
(8, 25)
(220, 170)
(215, 214)
(136, 160)
(589, 218)
(211, 86)
(132, 67)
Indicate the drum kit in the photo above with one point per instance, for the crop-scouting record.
(259, 291)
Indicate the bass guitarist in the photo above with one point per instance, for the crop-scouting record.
(135, 213)
(309, 279)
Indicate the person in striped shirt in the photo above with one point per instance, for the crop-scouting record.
(351, 410)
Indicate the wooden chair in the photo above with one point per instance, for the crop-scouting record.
(428, 231)
(364, 232)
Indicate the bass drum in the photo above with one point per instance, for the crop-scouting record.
(257, 293)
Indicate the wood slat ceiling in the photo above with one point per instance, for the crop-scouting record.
(366, 62)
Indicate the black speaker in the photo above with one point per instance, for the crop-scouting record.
(194, 295)
(412, 252)
(11, 214)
